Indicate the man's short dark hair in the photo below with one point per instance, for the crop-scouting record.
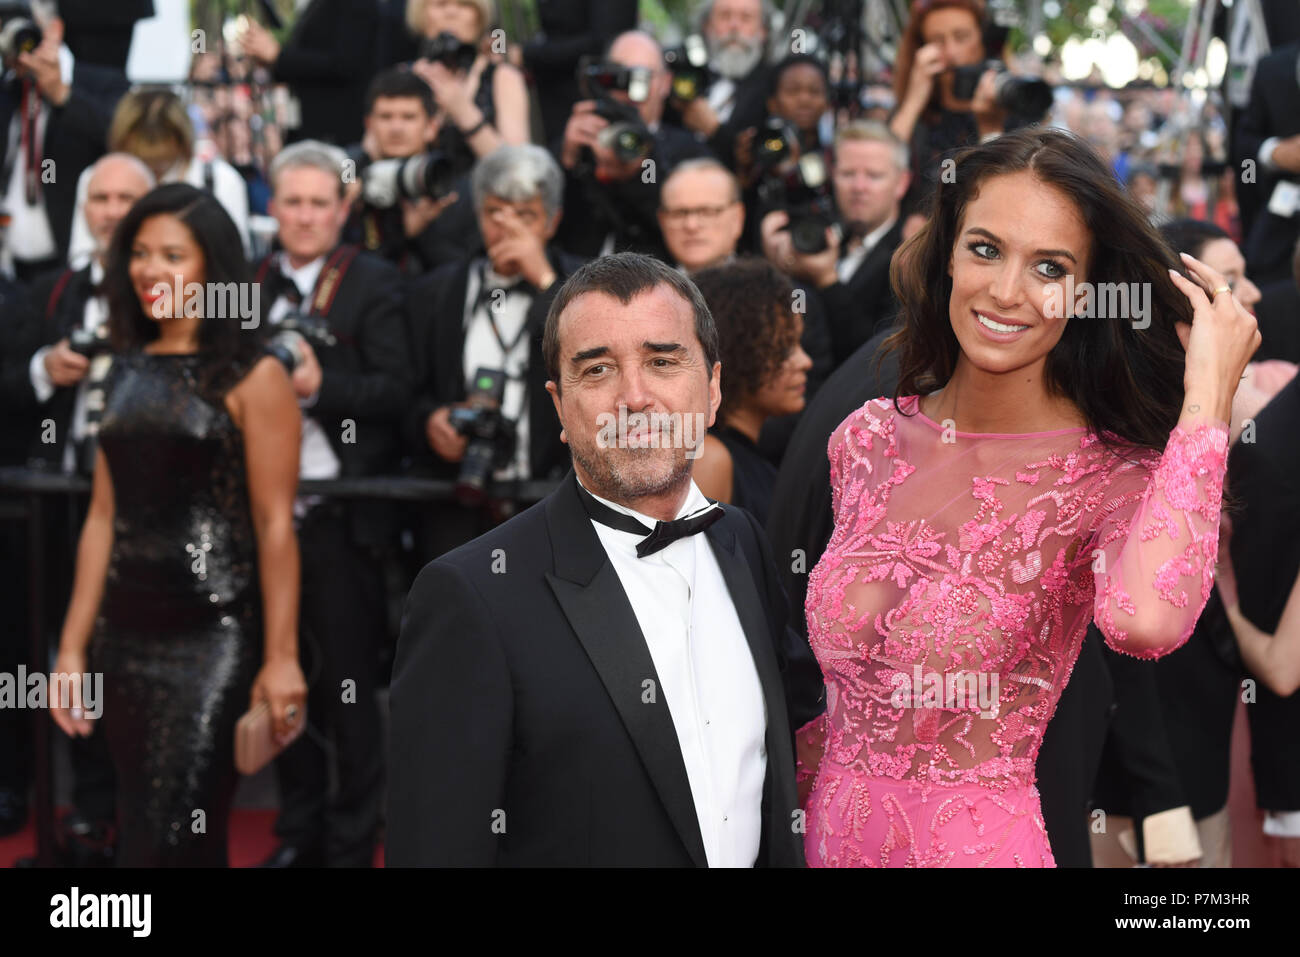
(626, 276)
(399, 81)
(794, 60)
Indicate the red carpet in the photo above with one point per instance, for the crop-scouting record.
(251, 839)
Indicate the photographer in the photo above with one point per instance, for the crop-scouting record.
(487, 312)
(945, 100)
(325, 60)
(617, 149)
(54, 116)
(851, 274)
(481, 104)
(333, 315)
(414, 232)
(736, 34)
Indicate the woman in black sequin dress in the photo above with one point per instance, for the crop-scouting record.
(188, 556)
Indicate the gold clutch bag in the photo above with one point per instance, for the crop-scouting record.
(255, 744)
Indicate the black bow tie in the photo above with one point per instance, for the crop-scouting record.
(281, 284)
(662, 535)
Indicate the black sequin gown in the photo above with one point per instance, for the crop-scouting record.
(178, 636)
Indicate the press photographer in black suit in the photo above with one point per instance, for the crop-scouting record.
(44, 149)
(869, 178)
(326, 59)
(548, 704)
(616, 185)
(349, 356)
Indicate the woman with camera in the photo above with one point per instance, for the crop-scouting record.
(1045, 461)
(766, 376)
(482, 104)
(185, 596)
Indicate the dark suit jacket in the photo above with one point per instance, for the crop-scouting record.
(75, 137)
(1274, 110)
(58, 306)
(18, 324)
(522, 694)
(366, 378)
(1264, 475)
(856, 309)
(1278, 313)
(570, 30)
(436, 314)
(326, 61)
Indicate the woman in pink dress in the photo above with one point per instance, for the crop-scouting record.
(1054, 453)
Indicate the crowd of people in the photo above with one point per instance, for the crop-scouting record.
(474, 250)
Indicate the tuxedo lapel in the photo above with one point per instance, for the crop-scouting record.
(597, 608)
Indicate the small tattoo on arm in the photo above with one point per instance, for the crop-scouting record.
(1193, 408)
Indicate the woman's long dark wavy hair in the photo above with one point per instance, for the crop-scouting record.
(226, 349)
(1126, 382)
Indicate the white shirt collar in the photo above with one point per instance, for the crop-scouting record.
(870, 239)
(695, 501)
(96, 272)
(304, 276)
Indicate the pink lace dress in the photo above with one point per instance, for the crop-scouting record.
(948, 610)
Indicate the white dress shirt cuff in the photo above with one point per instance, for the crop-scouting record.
(1266, 152)
(42, 384)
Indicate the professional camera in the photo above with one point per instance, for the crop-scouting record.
(803, 191)
(775, 143)
(89, 342)
(626, 135)
(294, 329)
(689, 65)
(431, 174)
(491, 435)
(449, 50)
(20, 34)
(1025, 96)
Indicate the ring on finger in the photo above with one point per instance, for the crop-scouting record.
(1219, 289)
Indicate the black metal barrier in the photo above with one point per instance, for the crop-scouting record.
(35, 486)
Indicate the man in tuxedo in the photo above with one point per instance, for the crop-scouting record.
(870, 177)
(1269, 134)
(54, 116)
(488, 311)
(349, 367)
(574, 688)
(620, 196)
(99, 32)
(326, 60)
(1265, 549)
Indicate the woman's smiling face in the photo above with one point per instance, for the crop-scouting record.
(1017, 242)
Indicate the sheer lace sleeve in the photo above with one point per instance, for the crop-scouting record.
(1154, 549)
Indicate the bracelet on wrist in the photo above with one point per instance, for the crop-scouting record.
(471, 133)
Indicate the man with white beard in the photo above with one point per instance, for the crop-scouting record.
(736, 32)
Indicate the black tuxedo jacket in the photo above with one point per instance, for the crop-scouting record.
(75, 137)
(1278, 313)
(1264, 475)
(58, 306)
(518, 699)
(18, 326)
(436, 313)
(1274, 110)
(326, 61)
(366, 378)
(856, 309)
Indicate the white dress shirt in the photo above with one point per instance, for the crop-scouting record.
(29, 236)
(707, 678)
(852, 259)
(482, 350)
(316, 459)
(95, 313)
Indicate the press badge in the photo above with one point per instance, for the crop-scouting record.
(1285, 199)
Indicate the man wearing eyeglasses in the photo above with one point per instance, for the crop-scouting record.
(702, 219)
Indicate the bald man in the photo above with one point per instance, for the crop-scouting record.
(619, 197)
(67, 300)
